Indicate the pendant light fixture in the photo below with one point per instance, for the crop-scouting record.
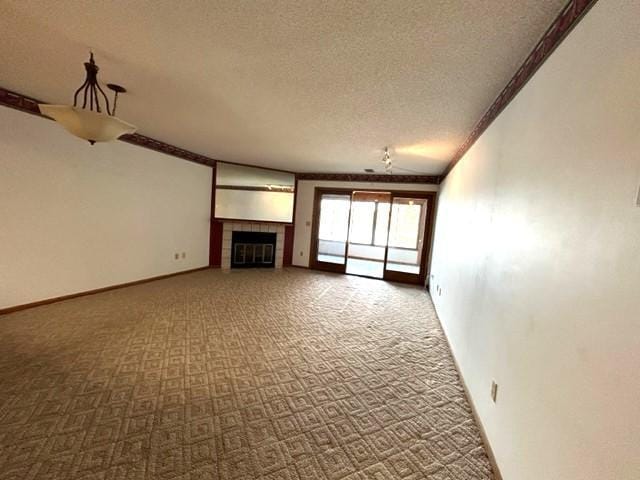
(92, 121)
(388, 166)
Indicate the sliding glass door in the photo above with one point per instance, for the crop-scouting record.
(372, 234)
(368, 230)
(405, 248)
(331, 231)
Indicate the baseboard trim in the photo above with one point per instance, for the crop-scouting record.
(476, 417)
(16, 308)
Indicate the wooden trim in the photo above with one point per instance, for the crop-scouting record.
(215, 229)
(244, 220)
(287, 248)
(158, 146)
(365, 177)
(17, 308)
(295, 199)
(215, 244)
(20, 102)
(400, 193)
(568, 18)
(255, 189)
(485, 439)
(369, 196)
(288, 261)
(250, 165)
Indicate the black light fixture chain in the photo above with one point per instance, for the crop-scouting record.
(91, 87)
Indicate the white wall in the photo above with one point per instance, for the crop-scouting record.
(304, 209)
(537, 253)
(76, 217)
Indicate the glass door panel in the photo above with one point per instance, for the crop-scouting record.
(368, 233)
(406, 239)
(333, 231)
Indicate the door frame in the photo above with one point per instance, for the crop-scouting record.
(425, 264)
(313, 248)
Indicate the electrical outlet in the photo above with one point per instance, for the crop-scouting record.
(184, 255)
(176, 256)
(494, 390)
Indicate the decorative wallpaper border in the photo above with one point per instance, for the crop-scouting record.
(559, 29)
(562, 25)
(30, 105)
(365, 177)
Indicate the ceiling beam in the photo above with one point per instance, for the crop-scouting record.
(569, 17)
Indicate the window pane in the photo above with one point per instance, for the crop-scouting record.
(333, 228)
(334, 218)
(362, 222)
(405, 225)
(382, 223)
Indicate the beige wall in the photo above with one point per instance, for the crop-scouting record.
(537, 254)
(75, 217)
(304, 209)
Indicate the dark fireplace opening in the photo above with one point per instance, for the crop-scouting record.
(253, 249)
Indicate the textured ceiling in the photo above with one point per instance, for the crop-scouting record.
(304, 85)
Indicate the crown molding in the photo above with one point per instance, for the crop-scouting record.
(158, 146)
(568, 18)
(30, 105)
(364, 177)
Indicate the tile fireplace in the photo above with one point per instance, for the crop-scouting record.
(253, 249)
(252, 244)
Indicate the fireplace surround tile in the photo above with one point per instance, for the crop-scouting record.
(229, 227)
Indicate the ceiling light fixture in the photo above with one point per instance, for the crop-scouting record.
(386, 159)
(280, 188)
(90, 122)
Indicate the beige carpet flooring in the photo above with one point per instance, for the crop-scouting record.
(245, 375)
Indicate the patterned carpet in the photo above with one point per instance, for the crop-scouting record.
(244, 375)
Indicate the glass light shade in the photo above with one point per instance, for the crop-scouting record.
(88, 125)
